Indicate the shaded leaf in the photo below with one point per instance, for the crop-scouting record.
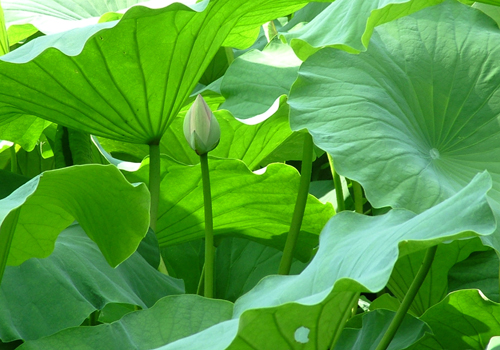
(43, 296)
(146, 329)
(435, 285)
(375, 325)
(479, 271)
(466, 319)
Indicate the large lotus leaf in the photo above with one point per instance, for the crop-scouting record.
(256, 79)
(374, 326)
(244, 204)
(465, 320)
(250, 143)
(43, 296)
(435, 285)
(145, 329)
(113, 213)
(356, 254)
(479, 271)
(411, 123)
(126, 80)
(349, 24)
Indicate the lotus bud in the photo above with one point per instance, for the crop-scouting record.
(201, 129)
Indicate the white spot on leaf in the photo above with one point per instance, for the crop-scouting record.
(302, 335)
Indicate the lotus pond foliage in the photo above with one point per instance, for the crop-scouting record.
(228, 174)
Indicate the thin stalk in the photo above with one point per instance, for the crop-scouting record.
(154, 183)
(209, 228)
(229, 54)
(13, 159)
(8, 227)
(300, 206)
(358, 197)
(339, 193)
(408, 299)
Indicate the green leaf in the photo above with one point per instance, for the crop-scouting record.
(146, 329)
(43, 296)
(241, 264)
(185, 261)
(386, 301)
(244, 204)
(123, 79)
(320, 299)
(23, 131)
(256, 79)
(435, 285)
(375, 324)
(412, 123)
(53, 200)
(466, 319)
(19, 32)
(479, 271)
(349, 24)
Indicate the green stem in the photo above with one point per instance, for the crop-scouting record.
(339, 193)
(358, 197)
(13, 159)
(209, 228)
(154, 183)
(408, 299)
(300, 206)
(9, 225)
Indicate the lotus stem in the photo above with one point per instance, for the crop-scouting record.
(339, 193)
(300, 206)
(408, 299)
(358, 197)
(154, 183)
(209, 228)
(9, 227)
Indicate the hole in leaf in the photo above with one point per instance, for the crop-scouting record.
(302, 335)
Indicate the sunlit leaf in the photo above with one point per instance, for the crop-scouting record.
(113, 213)
(127, 80)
